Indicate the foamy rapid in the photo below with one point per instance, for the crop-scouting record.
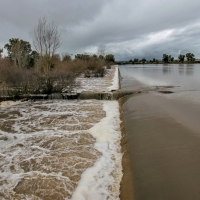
(102, 181)
(60, 150)
(115, 82)
(4, 104)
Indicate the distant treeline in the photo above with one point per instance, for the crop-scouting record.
(187, 58)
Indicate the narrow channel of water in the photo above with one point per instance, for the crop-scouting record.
(163, 131)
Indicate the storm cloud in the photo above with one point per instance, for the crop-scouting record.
(129, 29)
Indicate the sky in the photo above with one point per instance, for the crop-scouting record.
(129, 29)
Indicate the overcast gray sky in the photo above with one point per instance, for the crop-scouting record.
(129, 29)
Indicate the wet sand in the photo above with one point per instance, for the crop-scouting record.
(164, 144)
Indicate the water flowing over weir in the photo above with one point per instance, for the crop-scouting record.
(60, 149)
(163, 130)
(114, 95)
(100, 92)
(68, 145)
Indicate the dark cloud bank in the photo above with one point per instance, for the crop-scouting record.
(129, 29)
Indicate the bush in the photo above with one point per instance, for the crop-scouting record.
(99, 71)
(48, 75)
(25, 81)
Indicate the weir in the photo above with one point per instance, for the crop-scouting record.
(114, 95)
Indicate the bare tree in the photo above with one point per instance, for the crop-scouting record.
(1, 51)
(46, 38)
(46, 42)
(101, 51)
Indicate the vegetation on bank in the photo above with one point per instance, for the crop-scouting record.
(42, 70)
(181, 58)
(187, 59)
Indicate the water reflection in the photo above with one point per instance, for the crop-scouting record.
(189, 69)
(163, 131)
(186, 76)
(166, 69)
(181, 69)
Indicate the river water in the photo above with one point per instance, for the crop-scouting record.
(163, 131)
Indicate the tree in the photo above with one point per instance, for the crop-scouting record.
(1, 51)
(181, 58)
(190, 56)
(110, 58)
(101, 57)
(169, 58)
(101, 50)
(95, 56)
(20, 53)
(82, 56)
(143, 60)
(66, 57)
(46, 42)
(34, 56)
(47, 38)
(166, 58)
(135, 60)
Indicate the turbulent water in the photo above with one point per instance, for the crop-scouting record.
(164, 131)
(60, 150)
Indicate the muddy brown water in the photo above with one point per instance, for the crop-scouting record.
(163, 133)
(45, 148)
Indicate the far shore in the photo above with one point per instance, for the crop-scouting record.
(159, 62)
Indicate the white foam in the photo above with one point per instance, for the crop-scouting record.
(4, 104)
(29, 122)
(115, 81)
(97, 182)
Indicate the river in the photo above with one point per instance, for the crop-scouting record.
(163, 131)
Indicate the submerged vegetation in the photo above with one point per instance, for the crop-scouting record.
(39, 71)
